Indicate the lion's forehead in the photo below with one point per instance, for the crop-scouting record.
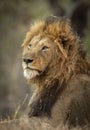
(38, 40)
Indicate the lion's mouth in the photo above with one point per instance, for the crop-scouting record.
(30, 73)
(29, 68)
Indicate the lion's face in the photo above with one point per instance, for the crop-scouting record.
(37, 56)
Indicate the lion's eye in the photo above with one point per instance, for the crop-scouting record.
(29, 46)
(44, 48)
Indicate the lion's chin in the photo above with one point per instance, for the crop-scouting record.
(29, 74)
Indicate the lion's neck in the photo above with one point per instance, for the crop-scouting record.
(45, 98)
(48, 77)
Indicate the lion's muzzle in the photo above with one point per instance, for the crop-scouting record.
(27, 60)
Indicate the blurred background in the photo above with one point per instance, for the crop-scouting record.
(15, 19)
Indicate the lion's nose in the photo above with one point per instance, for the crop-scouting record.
(27, 61)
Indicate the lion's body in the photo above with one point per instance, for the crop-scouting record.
(56, 67)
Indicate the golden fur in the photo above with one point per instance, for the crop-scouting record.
(58, 70)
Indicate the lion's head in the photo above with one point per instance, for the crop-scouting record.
(37, 56)
(51, 48)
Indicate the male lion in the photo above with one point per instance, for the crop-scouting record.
(56, 67)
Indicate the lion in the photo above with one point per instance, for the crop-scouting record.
(58, 71)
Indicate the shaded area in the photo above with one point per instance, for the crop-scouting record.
(80, 17)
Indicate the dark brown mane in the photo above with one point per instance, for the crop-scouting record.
(47, 99)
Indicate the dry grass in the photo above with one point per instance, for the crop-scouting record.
(33, 124)
(25, 123)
